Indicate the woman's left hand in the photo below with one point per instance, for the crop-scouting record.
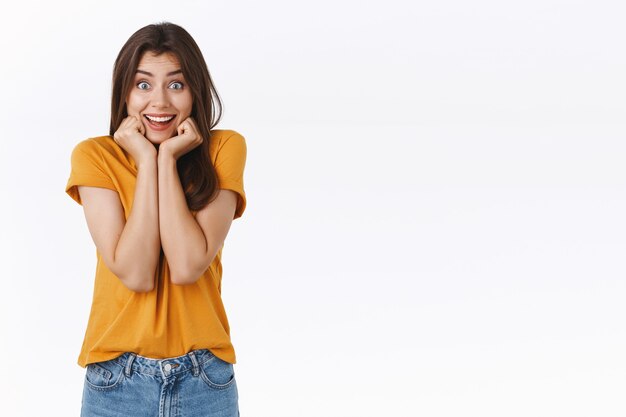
(188, 138)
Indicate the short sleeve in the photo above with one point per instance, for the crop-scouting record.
(87, 169)
(229, 165)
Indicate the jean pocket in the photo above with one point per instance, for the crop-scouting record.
(104, 376)
(217, 373)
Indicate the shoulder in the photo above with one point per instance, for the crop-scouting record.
(96, 145)
(221, 136)
(102, 147)
(226, 141)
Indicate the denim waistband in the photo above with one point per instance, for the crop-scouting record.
(133, 362)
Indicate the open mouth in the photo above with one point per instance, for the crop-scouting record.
(161, 122)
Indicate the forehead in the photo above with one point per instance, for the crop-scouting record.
(154, 63)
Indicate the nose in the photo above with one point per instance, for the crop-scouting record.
(159, 97)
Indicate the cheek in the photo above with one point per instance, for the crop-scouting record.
(134, 104)
(131, 108)
(186, 105)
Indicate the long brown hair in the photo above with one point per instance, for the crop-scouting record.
(196, 172)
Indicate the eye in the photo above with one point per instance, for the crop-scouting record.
(176, 85)
(142, 85)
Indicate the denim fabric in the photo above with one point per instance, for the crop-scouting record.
(196, 384)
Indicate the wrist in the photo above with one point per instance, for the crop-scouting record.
(165, 155)
(147, 159)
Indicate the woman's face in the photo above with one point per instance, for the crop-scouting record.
(159, 96)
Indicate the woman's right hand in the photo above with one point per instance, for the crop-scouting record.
(130, 136)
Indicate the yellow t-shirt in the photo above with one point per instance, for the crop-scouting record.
(170, 320)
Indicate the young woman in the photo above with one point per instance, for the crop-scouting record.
(159, 195)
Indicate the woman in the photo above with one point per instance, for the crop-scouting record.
(159, 195)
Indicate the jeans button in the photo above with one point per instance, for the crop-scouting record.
(167, 367)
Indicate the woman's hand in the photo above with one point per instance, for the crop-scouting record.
(130, 136)
(188, 138)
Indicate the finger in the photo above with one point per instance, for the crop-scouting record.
(127, 123)
(196, 131)
(191, 125)
(135, 120)
(138, 125)
(182, 128)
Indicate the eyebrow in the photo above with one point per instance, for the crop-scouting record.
(178, 71)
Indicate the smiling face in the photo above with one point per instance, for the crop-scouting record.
(159, 96)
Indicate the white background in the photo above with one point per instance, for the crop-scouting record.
(436, 208)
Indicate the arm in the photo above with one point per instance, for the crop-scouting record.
(189, 243)
(130, 249)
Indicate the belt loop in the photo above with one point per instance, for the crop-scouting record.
(129, 363)
(194, 360)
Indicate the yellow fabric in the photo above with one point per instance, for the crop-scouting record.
(170, 320)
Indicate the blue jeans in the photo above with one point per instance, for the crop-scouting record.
(196, 384)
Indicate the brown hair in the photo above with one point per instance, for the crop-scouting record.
(196, 172)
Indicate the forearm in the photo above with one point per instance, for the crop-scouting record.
(182, 238)
(138, 249)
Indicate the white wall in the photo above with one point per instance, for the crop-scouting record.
(436, 198)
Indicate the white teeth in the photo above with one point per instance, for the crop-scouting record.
(160, 119)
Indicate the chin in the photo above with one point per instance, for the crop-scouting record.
(158, 138)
